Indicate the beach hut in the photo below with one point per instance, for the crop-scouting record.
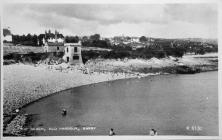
(73, 53)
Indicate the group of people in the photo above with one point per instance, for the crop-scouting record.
(64, 112)
(153, 132)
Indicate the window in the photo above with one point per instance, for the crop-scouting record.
(75, 49)
(67, 49)
(57, 48)
(67, 58)
(75, 57)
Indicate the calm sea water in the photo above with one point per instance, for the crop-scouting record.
(171, 104)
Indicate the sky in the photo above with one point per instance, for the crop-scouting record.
(152, 20)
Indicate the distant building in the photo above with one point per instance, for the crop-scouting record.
(7, 35)
(73, 53)
(205, 45)
(135, 39)
(136, 45)
(53, 47)
(53, 42)
(57, 37)
(116, 40)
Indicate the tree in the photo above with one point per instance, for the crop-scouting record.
(84, 38)
(143, 39)
(95, 37)
(35, 40)
(40, 38)
(128, 38)
(71, 39)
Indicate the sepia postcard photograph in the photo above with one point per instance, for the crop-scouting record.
(110, 69)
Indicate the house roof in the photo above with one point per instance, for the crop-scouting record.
(75, 46)
(55, 44)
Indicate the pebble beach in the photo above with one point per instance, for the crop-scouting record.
(25, 83)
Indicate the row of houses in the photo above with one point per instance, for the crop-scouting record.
(133, 42)
(124, 40)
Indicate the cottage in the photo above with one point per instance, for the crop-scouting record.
(73, 53)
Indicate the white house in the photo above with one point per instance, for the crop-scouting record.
(135, 39)
(54, 40)
(73, 53)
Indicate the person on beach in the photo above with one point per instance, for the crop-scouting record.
(153, 132)
(16, 112)
(111, 132)
(64, 112)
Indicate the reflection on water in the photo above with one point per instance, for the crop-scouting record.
(171, 104)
